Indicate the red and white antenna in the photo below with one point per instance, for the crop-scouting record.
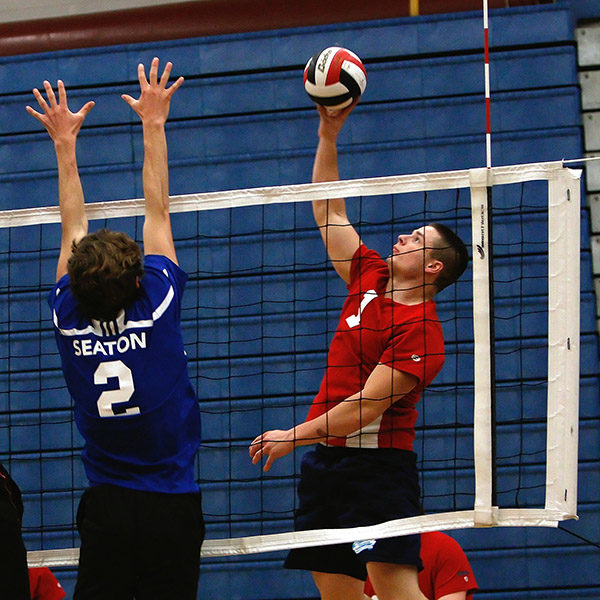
(488, 123)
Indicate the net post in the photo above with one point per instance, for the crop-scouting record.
(485, 512)
(564, 199)
(485, 492)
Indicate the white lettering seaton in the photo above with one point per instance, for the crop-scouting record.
(123, 344)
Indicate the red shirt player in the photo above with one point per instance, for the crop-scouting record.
(446, 573)
(43, 584)
(387, 348)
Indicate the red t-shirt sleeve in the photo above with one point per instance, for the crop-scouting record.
(364, 261)
(417, 350)
(43, 585)
(453, 572)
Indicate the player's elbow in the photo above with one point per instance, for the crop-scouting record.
(330, 212)
(372, 408)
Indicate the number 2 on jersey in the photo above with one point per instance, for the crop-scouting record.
(108, 398)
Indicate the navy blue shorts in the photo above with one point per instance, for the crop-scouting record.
(354, 487)
(137, 544)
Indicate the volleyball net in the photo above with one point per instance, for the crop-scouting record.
(497, 430)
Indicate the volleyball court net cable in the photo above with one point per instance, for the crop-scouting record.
(260, 309)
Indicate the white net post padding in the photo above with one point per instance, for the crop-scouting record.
(563, 361)
(485, 513)
(563, 343)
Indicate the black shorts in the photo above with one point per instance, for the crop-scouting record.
(13, 556)
(138, 544)
(354, 487)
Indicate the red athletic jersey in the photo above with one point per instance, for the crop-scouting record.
(374, 329)
(446, 569)
(44, 585)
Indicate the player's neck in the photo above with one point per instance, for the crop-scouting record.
(409, 292)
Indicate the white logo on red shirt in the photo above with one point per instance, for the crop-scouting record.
(354, 320)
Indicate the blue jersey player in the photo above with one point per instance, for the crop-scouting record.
(117, 320)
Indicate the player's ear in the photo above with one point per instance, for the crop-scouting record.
(434, 266)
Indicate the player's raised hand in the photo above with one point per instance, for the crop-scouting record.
(332, 121)
(155, 97)
(62, 124)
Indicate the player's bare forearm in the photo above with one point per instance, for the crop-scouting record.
(158, 237)
(342, 420)
(153, 109)
(339, 236)
(383, 387)
(71, 202)
(155, 170)
(63, 127)
(345, 418)
(325, 166)
(70, 193)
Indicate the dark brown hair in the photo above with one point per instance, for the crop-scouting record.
(453, 254)
(104, 269)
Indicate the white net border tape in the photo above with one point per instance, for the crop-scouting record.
(306, 192)
(319, 537)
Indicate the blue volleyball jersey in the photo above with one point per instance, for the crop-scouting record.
(134, 404)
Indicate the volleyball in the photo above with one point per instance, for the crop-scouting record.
(334, 77)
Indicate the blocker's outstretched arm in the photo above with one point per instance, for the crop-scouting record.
(153, 109)
(63, 127)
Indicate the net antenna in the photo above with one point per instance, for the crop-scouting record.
(486, 73)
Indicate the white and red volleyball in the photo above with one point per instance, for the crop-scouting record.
(334, 77)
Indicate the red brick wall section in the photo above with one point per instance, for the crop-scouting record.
(212, 17)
